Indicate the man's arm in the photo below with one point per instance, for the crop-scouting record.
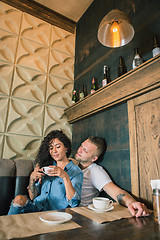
(124, 198)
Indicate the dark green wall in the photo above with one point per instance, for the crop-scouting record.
(89, 61)
(112, 125)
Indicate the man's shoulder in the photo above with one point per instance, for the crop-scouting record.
(95, 166)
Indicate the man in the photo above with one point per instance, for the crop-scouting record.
(95, 178)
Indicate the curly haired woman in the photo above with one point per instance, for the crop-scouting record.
(60, 188)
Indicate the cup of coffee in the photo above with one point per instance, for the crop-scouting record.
(45, 170)
(102, 203)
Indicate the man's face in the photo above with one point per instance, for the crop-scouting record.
(87, 153)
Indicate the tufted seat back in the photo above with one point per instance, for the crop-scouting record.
(14, 178)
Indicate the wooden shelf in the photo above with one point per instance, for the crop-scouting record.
(136, 82)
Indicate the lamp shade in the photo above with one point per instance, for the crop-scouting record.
(115, 29)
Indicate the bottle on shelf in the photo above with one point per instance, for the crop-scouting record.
(74, 97)
(137, 60)
(105, 79)
(81, 93)
(93, 86)
(121, 68)
(85, 91)
(156, 48)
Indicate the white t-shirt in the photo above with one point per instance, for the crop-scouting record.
(94, 179)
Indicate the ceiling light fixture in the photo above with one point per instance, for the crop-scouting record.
(115, 29)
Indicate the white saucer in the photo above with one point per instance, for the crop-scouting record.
(100, 210)
(55, 217)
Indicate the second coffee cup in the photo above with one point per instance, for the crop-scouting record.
(102, 203)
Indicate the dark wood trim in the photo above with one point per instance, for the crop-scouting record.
(44, 13)
(136, 82)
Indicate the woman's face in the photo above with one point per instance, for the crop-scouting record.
(57, 150)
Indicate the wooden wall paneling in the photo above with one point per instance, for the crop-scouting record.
(144, 129)
(133, 148)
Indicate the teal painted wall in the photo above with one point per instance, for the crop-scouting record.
(112, 125)
(90, 58)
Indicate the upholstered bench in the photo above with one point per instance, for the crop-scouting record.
(14, 178)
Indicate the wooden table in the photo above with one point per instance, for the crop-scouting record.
(143, 228)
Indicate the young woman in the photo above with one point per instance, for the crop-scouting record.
(60, 187)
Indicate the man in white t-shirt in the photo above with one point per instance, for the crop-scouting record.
(96, 179)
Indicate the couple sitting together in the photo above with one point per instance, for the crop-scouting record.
(68, 184)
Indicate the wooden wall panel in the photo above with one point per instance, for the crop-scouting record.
(144, 125)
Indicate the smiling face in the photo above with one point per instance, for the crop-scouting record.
(57, 150)
(87, 153)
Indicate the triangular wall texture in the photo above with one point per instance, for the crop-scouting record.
(36, 81)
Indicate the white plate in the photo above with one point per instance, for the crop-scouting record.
(100, 210)
(55, 217)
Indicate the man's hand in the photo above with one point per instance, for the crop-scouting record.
(138, 209)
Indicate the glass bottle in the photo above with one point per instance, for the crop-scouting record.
(156, 48)
(156, 204)
(74, 97)
(81, 94)
(121, 68)
(137, 59)
(105, 79)
(93, 87)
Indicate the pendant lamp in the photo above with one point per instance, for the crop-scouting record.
(115, 29)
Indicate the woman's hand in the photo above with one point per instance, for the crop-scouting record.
(57, 171)
(37, 174)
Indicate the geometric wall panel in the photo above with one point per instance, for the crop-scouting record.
(61, 65)
(59, 91)
(1, 144)
(25, 117)
(29, 84)
(3, 112)
(63, 41)
(17, 146)
(35, 29)
(8, 46)
(10, 18)
(32, 55)
(55, 119)
(6, 72)
(36, 81)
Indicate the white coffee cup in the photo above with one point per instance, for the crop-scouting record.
(102, 203)
(45, 170)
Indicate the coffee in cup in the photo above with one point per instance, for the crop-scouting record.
(102, 203)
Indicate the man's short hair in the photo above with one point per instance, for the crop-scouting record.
(100, 143)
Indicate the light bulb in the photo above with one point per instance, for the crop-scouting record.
(115, 34)
(114, 27)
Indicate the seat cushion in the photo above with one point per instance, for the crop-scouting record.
(7, 184)
(23, 171)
